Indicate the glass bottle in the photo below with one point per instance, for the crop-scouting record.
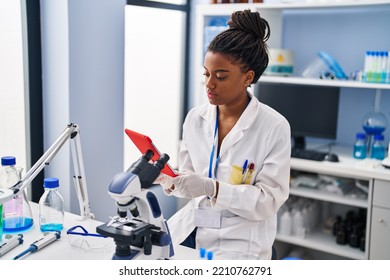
(360, 146)
(51, 207)
(378, 149)
(17, 214)
(1, 222)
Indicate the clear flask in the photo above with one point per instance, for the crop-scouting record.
(51, 207)
(17, 214)
(378, 150)
(1, 222)
(360, 146)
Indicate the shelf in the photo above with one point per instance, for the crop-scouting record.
(321, 241)
(330, 197)
(347, 168)
(222, 9)
(319, 82)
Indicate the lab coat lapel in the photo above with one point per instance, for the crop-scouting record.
(243, 123)
(209, 114)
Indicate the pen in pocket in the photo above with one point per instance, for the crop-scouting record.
(244, 166)
(246, 172)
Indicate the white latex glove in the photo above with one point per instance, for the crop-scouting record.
(191, 185)
(166, 183)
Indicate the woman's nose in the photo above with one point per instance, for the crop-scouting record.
(209, 83)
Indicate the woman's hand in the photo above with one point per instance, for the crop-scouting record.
(191, 185)
(166, 182)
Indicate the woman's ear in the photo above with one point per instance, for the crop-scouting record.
(249, 77)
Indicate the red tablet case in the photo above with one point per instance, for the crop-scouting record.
(143, 144)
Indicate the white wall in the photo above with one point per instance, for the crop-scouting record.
(83, 58)
(346, 37)
(14, 133)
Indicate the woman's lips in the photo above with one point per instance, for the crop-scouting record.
(211, 94)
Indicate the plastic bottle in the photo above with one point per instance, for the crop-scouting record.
(298, 228)
(17, 214)
(378, 149)
(368, 66)
(360, 146)
(285, 223)
(51, 207)
(384, 67)
(388, 68)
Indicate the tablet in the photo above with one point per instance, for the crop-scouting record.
(143, 144)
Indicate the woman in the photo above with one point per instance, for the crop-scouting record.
(234, 159)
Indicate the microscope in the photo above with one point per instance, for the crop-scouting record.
(144, 235)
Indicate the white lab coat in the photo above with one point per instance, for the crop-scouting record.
(248, 211)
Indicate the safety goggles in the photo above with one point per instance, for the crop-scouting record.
(79, 237)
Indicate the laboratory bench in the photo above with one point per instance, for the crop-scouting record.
(376, 204)
(62, 249)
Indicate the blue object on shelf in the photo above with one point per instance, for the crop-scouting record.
(333, 65)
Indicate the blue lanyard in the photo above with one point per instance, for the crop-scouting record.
(212, 152)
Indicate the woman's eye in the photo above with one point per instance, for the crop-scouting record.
(206, 74)
(221, 78)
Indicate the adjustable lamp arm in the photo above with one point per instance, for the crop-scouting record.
(71, 132)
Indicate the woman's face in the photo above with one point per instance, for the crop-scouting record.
(225, 82)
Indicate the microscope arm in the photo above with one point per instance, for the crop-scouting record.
(70, 132)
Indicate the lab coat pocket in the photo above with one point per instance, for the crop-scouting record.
(235, 234)
(238, 176)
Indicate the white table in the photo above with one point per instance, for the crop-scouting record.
(62, 250)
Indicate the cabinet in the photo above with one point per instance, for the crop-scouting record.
(332, 204)
(380, 221)
(377, 235)
(376, 204)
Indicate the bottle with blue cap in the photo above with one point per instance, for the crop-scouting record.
(378, 150)
(51, 207)
(17, 214)
(360, 146)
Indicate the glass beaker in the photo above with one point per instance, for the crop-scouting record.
(1, 222)
(17, 214)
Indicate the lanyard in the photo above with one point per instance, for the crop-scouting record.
(212, 152)
(213, 148)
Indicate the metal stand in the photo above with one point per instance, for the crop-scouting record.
(71, 132)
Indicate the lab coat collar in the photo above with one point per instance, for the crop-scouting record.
(247, 118)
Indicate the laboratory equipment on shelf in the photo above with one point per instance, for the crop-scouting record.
(145, 234)
(378, 149)
(71, 132)
(374, 123)
(17, 214)
(360, 146)
(376, 67)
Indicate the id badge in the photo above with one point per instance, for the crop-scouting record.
(205, 217)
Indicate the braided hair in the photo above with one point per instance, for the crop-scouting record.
(244, 42)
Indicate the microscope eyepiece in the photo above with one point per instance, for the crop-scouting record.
(162, 161)
(148, 155)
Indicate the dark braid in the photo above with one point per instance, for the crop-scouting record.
(244, 42)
